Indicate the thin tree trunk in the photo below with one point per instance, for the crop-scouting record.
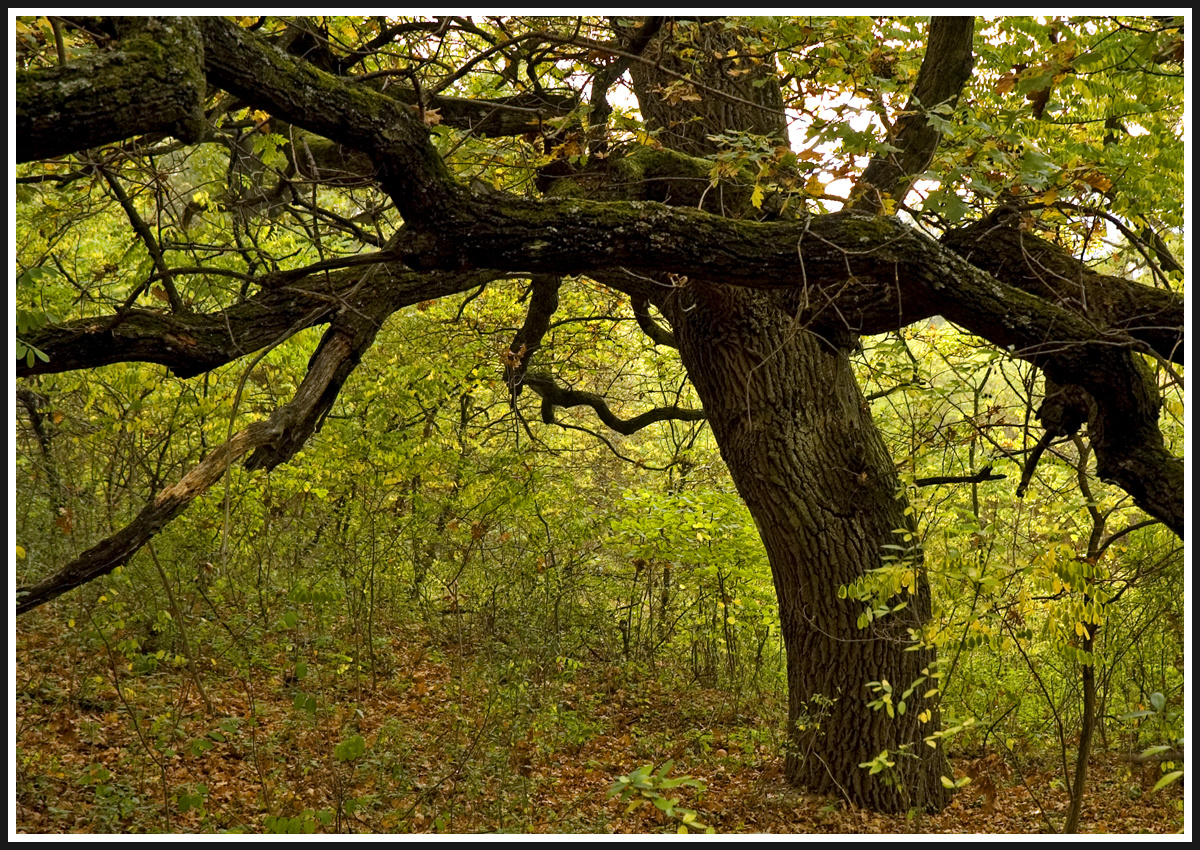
(1087, 728)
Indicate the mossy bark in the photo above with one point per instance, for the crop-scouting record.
(152, 82)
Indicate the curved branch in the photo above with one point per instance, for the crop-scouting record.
(555, 396)
(116, 550)
(410, 169)
(982, 475)
(272, 441)
(1117, 535)
(191, 344)
(657, 333)
(543, 303)
(608, 444)
(838, 273)
(999, 246)
(609, 74)
(944, 71)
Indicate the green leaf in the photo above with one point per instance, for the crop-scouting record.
(200, 746)
(350, 749)
(1134, 715)
(1167, 779)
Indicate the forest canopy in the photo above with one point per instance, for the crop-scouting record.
(861, 321)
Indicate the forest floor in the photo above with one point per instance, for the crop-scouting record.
(442, 741)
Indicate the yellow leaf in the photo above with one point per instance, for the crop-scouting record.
(756, 197)
(814, 186)
(21, 552)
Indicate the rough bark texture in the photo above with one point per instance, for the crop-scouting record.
(1153, 317)
(194, 343)
(152, 82)
(805, 455)
(1093, 330)
(798, 439)
(409, 168)
(682, 114)
(839, 274)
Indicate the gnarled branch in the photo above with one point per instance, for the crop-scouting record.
(190, 344)
(555, 396)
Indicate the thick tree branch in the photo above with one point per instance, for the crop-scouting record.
(998, 245)
(609, 74)
(1109, 389)
(272, 441)
(190, 344)
(152, 83)
(409, 167)
(543, 303)
(842, 273)
(333, 355)
(982, 475)
(361, 313)
(944, 71)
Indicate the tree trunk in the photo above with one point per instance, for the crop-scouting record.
(797, 436)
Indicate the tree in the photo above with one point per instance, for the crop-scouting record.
(700, 213)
